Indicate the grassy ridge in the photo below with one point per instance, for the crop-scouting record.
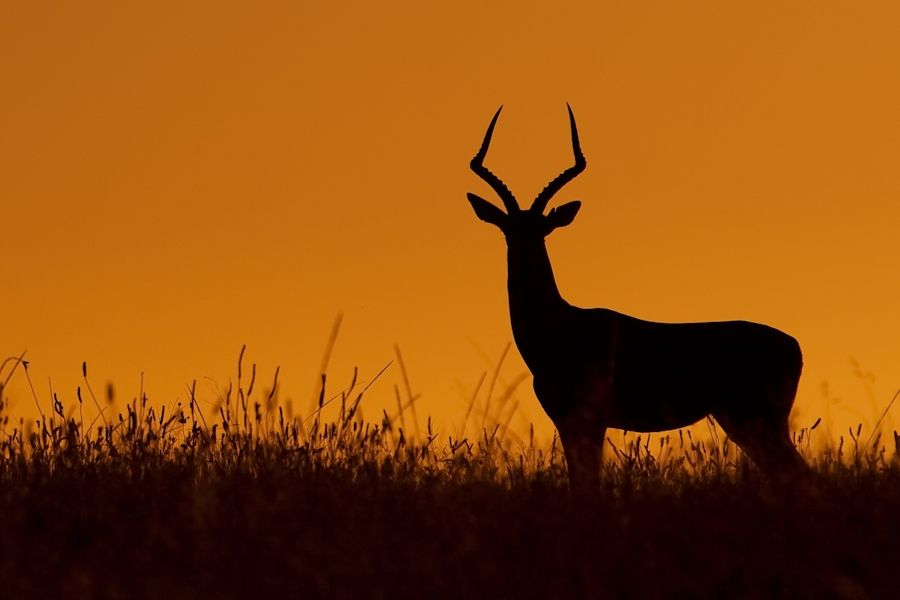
(182, 504)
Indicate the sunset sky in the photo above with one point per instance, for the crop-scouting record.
(178, 179)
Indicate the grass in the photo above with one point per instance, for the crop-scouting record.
(250, 500)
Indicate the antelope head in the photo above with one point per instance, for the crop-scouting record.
(532, 223)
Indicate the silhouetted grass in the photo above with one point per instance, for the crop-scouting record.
(245, 499)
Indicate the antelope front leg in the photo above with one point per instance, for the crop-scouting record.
(583, 448)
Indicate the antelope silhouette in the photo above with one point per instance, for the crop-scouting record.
(597, 368)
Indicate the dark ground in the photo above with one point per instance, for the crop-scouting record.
(164, 532)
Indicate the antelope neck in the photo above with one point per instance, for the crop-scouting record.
(534, 300)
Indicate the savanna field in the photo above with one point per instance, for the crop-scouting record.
(247, 499)
(179, 179)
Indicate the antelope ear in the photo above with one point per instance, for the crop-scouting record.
(486, 211)
(563, 215)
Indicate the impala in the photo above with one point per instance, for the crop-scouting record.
(597, 368)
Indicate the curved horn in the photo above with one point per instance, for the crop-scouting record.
(540, 203)
(477, 165)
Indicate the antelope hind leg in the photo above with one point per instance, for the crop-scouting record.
(767, 444)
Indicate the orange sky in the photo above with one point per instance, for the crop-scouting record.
(176, 182)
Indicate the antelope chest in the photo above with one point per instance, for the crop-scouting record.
(585, 394)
